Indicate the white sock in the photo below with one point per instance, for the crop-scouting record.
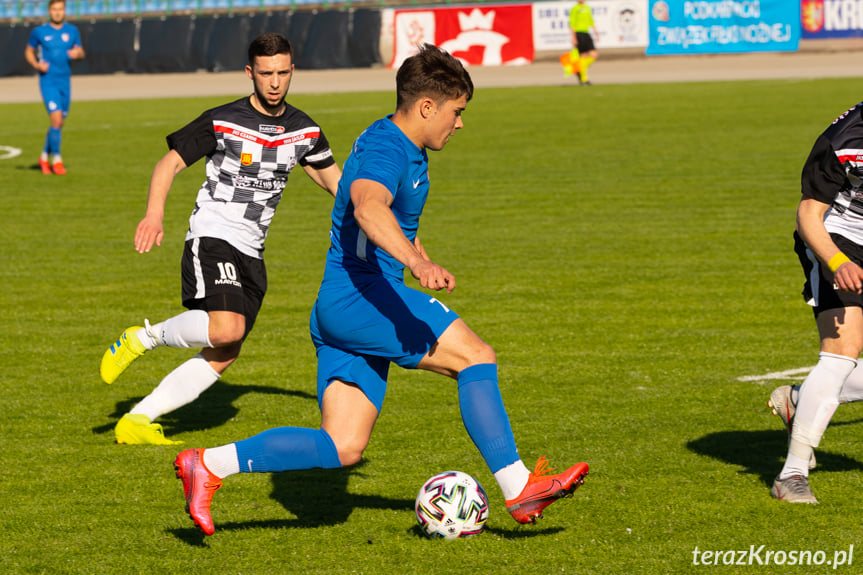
(44, 156)
(795, 464)
(56, 159)
(190, 329)
(512, 479)
(222, 461)
(146, 339)
(817, 400)
(180, 387)
(852, 389)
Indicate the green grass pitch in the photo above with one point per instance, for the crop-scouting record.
(626, 250)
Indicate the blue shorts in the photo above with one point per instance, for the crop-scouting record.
(360, 326)
(56, 95)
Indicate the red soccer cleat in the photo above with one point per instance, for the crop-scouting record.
(59, 169)
(45, 166)
(199, 485)
(542, 490)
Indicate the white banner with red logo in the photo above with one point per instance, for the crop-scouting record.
(477, 35)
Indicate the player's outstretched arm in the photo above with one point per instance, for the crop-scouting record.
(847, 275)
(328, 178)
(372, 210)
(149, 229)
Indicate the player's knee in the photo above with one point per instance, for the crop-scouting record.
(225, 338)
(224, 332)
(350, 454)
(483, 353)
(350, 448)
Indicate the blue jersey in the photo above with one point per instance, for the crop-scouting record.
(382, 153)
(51, 45)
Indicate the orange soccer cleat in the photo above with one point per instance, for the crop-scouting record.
(45, 166)
(199, 485)
(542, 490)
(59, 169)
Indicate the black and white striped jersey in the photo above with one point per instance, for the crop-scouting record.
(249, 156)
(833, 174)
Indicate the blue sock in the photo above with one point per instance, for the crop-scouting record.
(54, 141)
(484, 416)
(47, 148)
(286, 449)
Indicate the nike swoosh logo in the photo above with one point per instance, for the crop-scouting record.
(250, 466)
(416, 184)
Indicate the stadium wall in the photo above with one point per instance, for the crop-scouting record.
(349, 36)
(322, 40)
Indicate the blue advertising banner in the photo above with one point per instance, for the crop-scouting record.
(831, 18)
(723, 26)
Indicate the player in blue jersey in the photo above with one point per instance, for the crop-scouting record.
(50, 49)
(365, 316)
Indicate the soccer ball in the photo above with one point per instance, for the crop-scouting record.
(451, 505)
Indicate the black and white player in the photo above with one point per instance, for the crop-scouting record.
(829, 244)
(250, 146)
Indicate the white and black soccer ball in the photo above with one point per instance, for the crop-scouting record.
(450, 505)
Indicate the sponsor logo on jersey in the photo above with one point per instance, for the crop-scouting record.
(309, 135)
(269, 129)
(269, 185)
(297, 138)
(246, 159)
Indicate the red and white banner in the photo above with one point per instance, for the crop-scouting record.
(477, 35)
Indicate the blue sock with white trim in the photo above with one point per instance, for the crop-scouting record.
(287, 449)
(485, 417)
(54, 138)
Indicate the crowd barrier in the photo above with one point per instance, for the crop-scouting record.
(216, 43)
(23, 10)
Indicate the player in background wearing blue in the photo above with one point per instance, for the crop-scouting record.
(829, 244)
(50, 49)
(365, 316)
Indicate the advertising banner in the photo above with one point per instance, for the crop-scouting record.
(478, 35)
(620, 23)
(831, 19)
(723, 26)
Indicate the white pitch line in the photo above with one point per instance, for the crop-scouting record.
(8, 152)
(799, 373)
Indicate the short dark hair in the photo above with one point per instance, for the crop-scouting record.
(434, 73)
(269, 44)
(52, 2)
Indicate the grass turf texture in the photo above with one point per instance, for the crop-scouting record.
(626, 250)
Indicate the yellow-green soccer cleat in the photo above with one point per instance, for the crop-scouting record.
(136, 429)
(121, 354)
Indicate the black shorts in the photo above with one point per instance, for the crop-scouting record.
(218, 277)
(584, 42)
(819, 290)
